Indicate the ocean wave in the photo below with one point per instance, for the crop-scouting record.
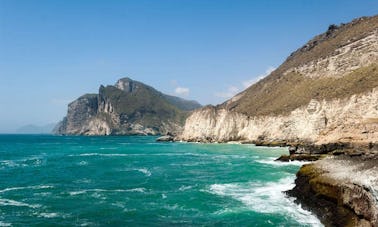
(48, 215)
(82, 163)
(9, 202)
(145, 171)
(266, 197)
(97, 154)
(25, 162)
(97, 190)
(185, 188)
(5, 224)
(271, 161)
(27, 187)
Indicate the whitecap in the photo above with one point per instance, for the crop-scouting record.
(96, 191)
(83, 163)
(142, 190)
(27, 187)
(271, 161)
(267, 197)
(77, 192)
(9, 202)
(145, 171)
(48, 215)
(184, 188)
(5, 224)
(97, 154)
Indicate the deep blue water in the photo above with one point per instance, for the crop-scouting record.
(134, 181)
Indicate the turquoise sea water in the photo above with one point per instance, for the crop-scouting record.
(134, 181)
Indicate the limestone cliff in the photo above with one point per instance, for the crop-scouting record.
(326, 91)
(127, 108)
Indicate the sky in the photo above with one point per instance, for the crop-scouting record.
(52, 52)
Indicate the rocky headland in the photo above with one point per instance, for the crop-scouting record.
(127, 108)
(322, 103)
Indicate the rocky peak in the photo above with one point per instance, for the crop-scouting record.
(126, 84)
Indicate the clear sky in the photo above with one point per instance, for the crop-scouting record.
(51, 52)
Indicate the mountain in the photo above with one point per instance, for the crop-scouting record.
(129, 107)
(326, 91)
(322, 102)
(35, 129)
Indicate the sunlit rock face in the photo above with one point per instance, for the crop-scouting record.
(351, 119)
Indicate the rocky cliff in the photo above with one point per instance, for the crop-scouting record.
(326, 91)
(341, 190)
(323, 101)
(127, 108)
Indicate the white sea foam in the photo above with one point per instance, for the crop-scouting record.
(184, 188)
(271, 161)
(48, 215)
(27, 187)
(108, 148)
(9, 202)
(142, 190)
(5, 224)
(97, 154)
(98, 190)
(267, 197)
(145, 171)
(83, 163)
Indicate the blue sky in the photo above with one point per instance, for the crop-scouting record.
(51, 52)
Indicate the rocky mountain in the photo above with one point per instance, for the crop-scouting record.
(323, 103)
(129, 107)
(36, 129)
(326, 91)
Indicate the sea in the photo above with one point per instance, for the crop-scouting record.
(48, 180)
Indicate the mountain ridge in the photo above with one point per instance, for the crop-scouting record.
(129, 107)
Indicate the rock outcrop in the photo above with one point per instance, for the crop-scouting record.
(341, 190)
(127, 108)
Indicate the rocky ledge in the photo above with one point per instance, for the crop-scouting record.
(341, 190)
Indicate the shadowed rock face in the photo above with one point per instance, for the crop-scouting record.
(127, 108)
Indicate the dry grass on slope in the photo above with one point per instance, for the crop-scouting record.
(283, 95)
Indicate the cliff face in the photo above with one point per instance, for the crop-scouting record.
(326, 91)
(353, 119)
(129, 107)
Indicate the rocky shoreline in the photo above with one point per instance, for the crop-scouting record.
(340, 190)
(341, 186)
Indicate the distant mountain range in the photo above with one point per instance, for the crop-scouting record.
(127, 108)
(35, 129)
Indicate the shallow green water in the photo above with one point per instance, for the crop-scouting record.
(134, 181)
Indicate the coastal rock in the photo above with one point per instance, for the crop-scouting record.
(341, 191)
(166, 138)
